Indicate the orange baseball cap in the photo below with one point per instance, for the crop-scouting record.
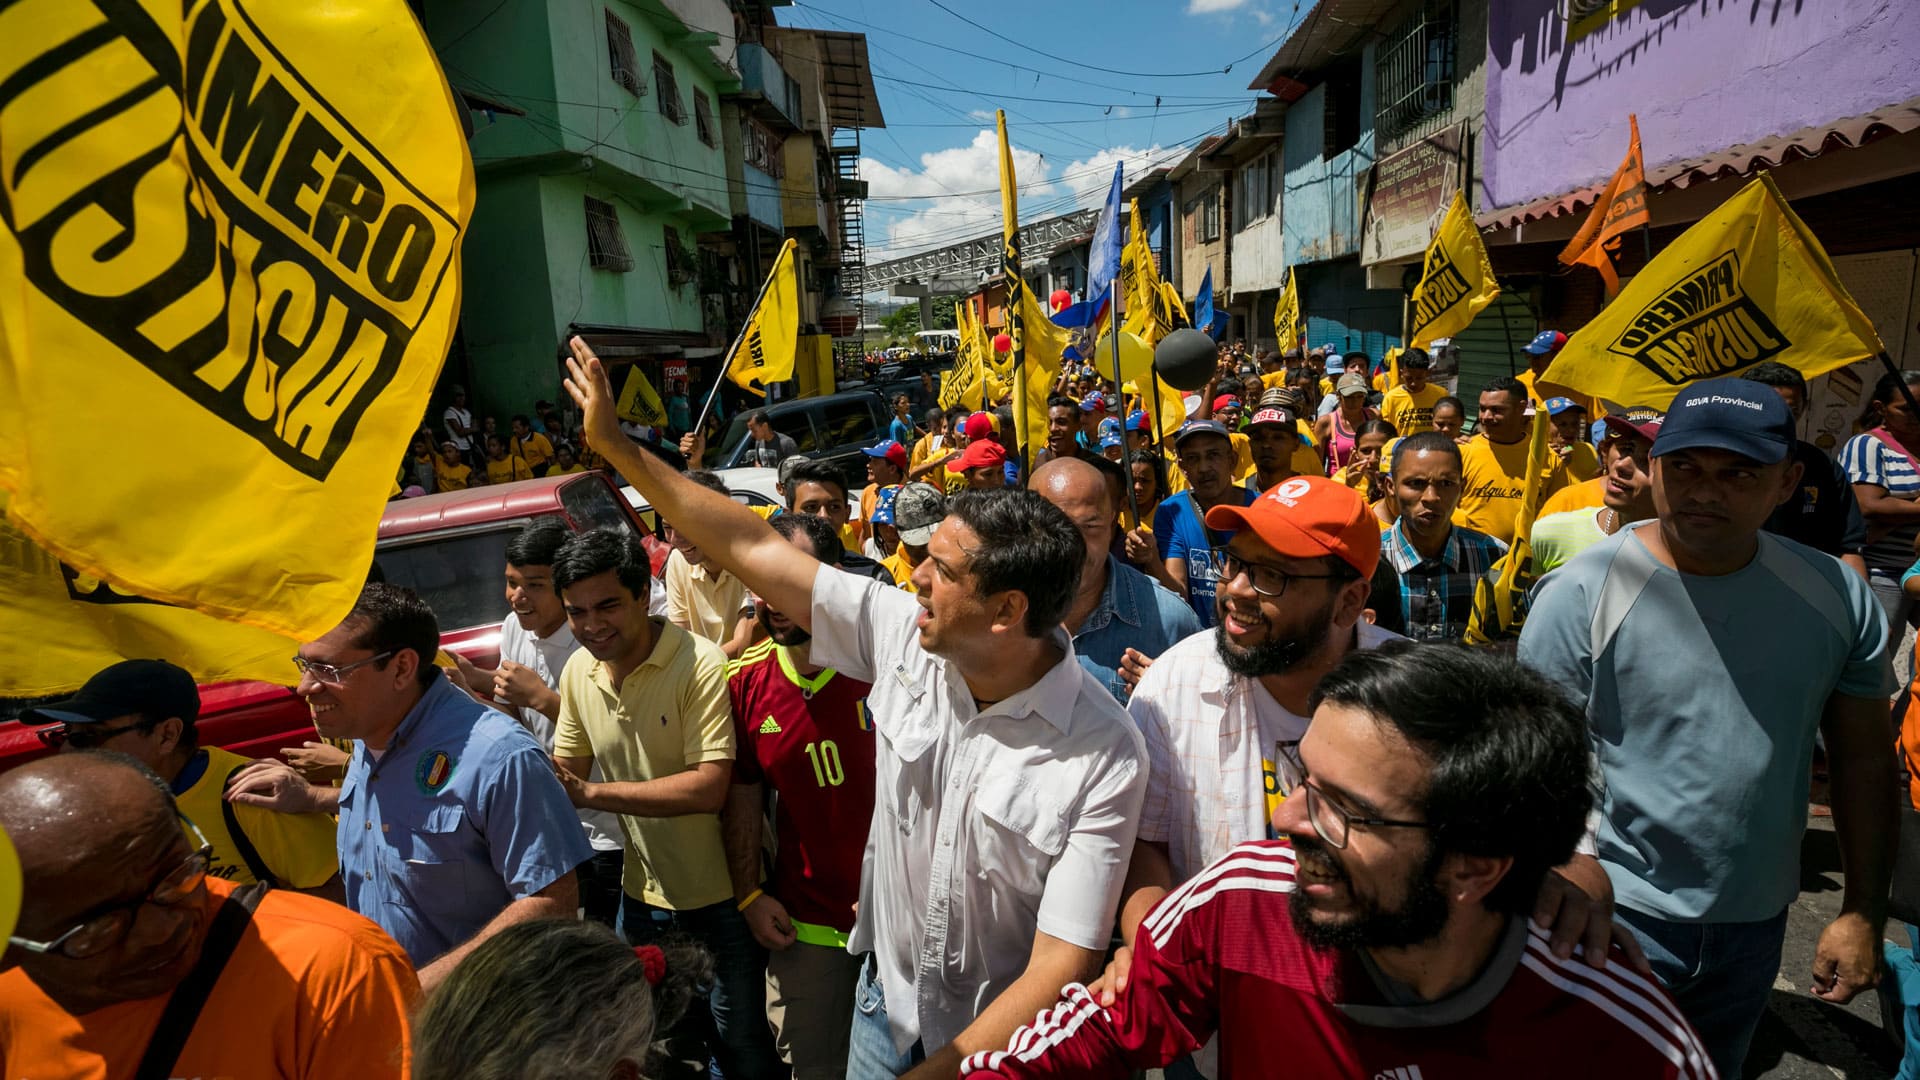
(1308, 517)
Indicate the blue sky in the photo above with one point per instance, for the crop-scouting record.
(932, 169)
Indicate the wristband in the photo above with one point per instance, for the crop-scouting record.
(751, 897)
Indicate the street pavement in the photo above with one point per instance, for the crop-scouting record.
(1802, 1037)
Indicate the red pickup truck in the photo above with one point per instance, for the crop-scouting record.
(449, 548)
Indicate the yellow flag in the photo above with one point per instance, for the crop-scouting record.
(1138, 271)
(230, 243)
(961, 386)
(1456, 281)
(764, 353)
(1288, 326)
(60, 626)
(1747, 283)
(638, 401)
(1037, 342)
(1500, 597)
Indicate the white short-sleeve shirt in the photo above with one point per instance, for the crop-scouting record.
(987, 826)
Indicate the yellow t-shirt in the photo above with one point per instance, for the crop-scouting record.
(577, 467)
(1306, 458)
(1586, 495)
(297, 849)
(708, 606)
(507, 469)
(535, 449)
(1583, 463)
(1408, 412)
(1274, 380)
(1492, 483)
(1359, 482)
(452, 477)
(900, 567)
(1243, 456)
(670, 714)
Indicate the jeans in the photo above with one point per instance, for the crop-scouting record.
(600, 892)
(729, 1029)
(1901, 987)
(1898, 607)
(870, 1054)
(1718, 973)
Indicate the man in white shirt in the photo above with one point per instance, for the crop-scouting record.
(459, 422)
(1009, 780)
(535, 642)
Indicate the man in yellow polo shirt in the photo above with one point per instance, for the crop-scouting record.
(531, 446)
(1494, 463)
(701, 597)
(147, 709)
(1409, 406)
(647, 702)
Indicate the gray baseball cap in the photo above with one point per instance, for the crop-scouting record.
(916, 510)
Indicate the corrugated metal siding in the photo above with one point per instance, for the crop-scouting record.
(1490, 345)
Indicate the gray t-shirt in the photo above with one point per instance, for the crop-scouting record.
(770, 453)
(1702, 696)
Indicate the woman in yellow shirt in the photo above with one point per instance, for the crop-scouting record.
(502, 469)
(450, 473)
(1364, 472)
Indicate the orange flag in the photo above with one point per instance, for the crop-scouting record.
(1622, 205)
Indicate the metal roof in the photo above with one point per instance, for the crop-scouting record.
(1735, 161)
(1329, 29)
(845, 75)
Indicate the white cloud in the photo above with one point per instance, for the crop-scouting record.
(1208, 7)
(982, 115)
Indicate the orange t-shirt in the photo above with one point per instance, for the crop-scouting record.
(1582, 496)
(311, 991)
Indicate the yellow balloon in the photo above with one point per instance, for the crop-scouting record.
(9, 885)
(1136, 357)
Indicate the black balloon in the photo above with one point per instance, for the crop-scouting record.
(1185, 359)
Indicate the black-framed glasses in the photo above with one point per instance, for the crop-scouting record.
(1267, 580)
(1331, 821)
(86, 736)
(333, 675)
(105, 929)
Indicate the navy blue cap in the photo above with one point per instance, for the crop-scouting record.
(1736, 415)
(153, 687)
(1199, 427)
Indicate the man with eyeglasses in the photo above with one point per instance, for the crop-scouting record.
(120, 911)
(147, 710)
(1387, 933)
(452, 823)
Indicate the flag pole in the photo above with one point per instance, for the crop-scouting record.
(700, 425)
(1113, 318)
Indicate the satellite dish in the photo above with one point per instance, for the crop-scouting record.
(1185, 359)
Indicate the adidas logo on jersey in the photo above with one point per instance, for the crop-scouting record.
(770, 726)
(1408, 1072)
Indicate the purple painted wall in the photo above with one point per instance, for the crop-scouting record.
(1702, 75)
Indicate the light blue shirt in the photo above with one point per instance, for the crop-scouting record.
(460, 816)
(1134, 612)
(1702, 697)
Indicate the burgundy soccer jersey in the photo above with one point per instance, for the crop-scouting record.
(808, 738)
(1220, 955)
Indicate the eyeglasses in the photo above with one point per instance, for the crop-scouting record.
(1266, 580)
(334, 676)
(1331, 821)
(86, 736)
(105, 929)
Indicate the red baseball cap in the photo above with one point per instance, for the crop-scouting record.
(1225, 401)
(980, 453)
(1309, 517)
(979, 426)
(1636, 423)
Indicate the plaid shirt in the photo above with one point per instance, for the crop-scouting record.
(1436, 595)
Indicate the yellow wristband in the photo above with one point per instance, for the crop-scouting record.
(751, 897)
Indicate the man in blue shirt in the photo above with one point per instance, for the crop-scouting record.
(453, 825)
(1115, 606)
(1207, 457)
(1706, 653)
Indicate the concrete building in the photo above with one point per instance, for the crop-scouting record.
(1247, 281)
(1202, 205)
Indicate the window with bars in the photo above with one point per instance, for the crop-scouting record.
(668, 88)
(682, 264)
(1209, 215)
(763, 148)
(703, 117)
(1414, 69)
(1259, 188)
(620, 58)
(606, 244)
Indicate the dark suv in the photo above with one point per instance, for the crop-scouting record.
(834, 428)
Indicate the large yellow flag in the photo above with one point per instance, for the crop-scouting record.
(1139, 273)
(1747, 283)
(1456, 281)
(764, 354)
(1037, 342)
(960, 387)
(1500, 596)
(231, 261)
(1288, 325)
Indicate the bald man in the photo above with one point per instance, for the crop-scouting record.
(1116, 607)
(120, 912)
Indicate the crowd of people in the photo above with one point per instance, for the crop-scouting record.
(1163, 754)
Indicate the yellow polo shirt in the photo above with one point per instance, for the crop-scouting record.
(670, 714)
(1493, 480)
(1411, 413)
(701, 602)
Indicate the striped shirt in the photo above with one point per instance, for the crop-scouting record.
(1221, 955)
(1431, 599)
(1868, 460)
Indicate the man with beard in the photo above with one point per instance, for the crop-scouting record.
(1387, 934)
(646, 703)
(1429, 566)
(452, 826)
(121, 916)
(1181, 524)
(803, 736)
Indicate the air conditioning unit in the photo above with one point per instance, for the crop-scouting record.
(1576, 10)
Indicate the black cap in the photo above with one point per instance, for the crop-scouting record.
(152, 687)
